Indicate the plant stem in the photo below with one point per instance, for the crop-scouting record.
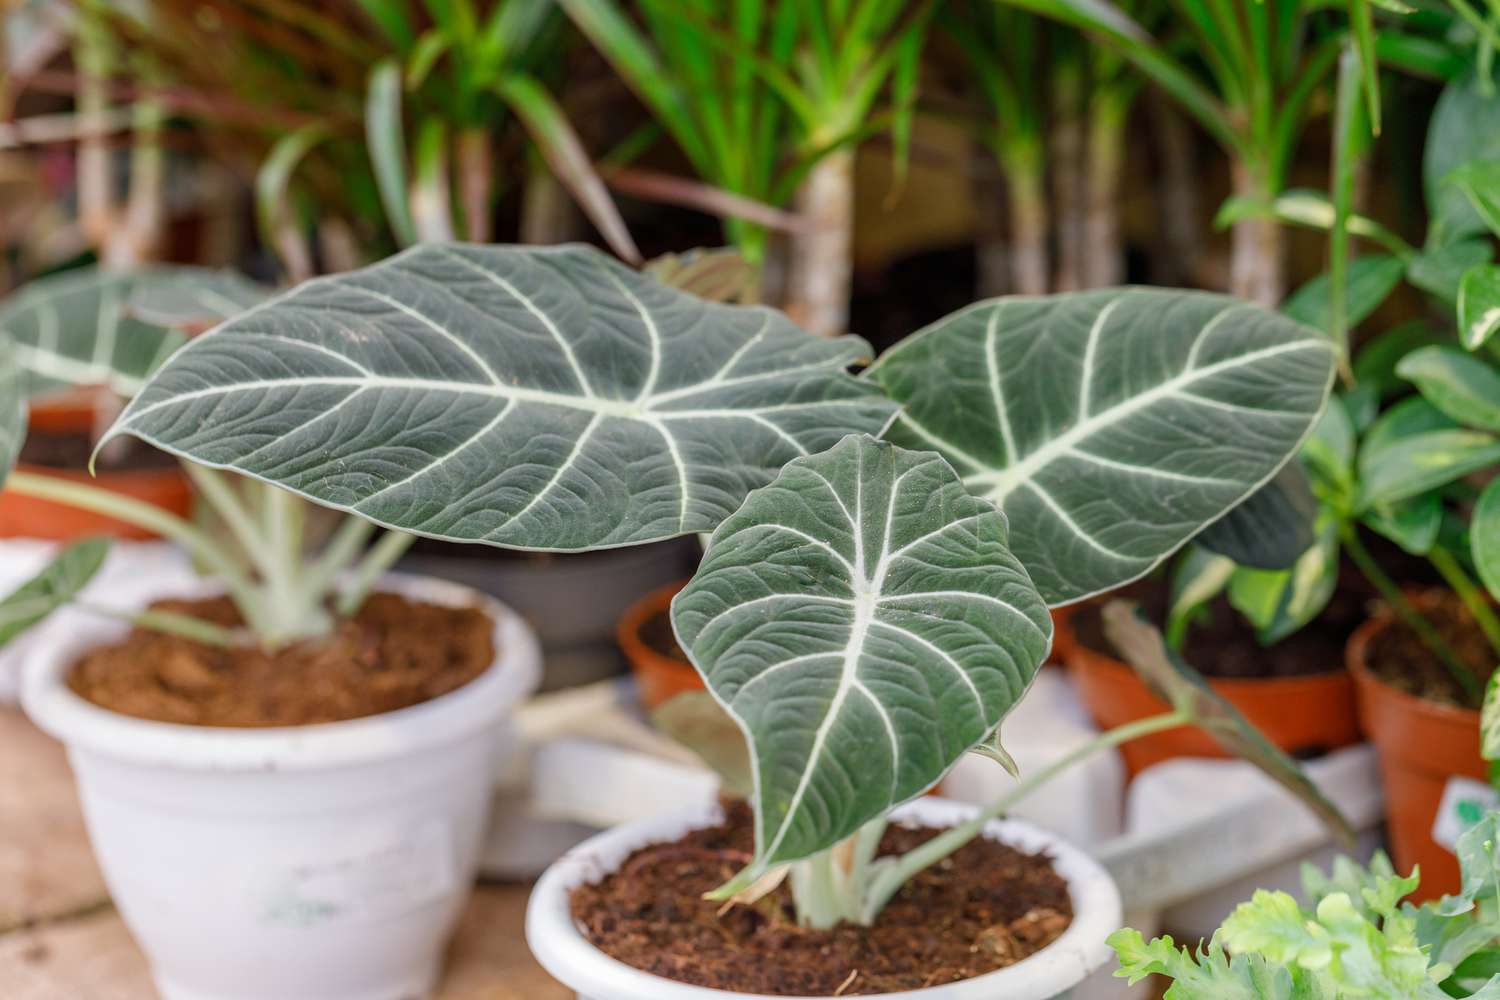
(346, 544)
(892, 877)
(172, 623)
(382, 555)
(1255, 264)
(1468, 591)
(476, 182)
(1413, 618)
(153, 519)
(1025, 185)
(822, 265)
(215, 488)
(1104, 249)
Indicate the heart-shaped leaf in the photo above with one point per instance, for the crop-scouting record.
(865, 622)
(1462, 386)
(540, 398)
(1479, 305)
(1114, 424)
(12, 409)
(56, 585)
(80, 328)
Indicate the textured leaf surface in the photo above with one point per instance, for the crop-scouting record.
(57, 584)
(535, 398)
(864, 620)
(77, 329)
(1112, 425)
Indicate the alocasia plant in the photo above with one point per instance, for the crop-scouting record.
(867, 613)
(1354, 938)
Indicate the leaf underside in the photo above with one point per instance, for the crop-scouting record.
(538, 398)
(866, 623)
(1110, 426)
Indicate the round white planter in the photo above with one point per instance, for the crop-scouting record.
(1048, 975)
(324, 862)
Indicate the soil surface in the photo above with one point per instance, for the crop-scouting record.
(72, 451)
(656, 632)
(392, 654)
(986, 907)
(1397, 656)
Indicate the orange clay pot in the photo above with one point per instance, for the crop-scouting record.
(1421, 745)
(1297, 714)
(658, 678)
(28, 517)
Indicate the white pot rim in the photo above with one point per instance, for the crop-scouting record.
(53, 706)
(564, 952)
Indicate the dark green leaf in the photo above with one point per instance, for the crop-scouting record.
(1270, 529)
(1441, 271)
(1479, 305)
(1462, 386)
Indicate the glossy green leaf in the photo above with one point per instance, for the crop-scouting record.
(82, 328)
(1479, 305)
(1279, 602)
(1462, 386)
(1421, 462)
(1114, 424)
(56, 585)
(1465, 127)
(1272, 528)
(1182, 687)
(864, 620)
(1375, 362)
(1412, 524)
(540, 398)
(1441, 271)
(1479, 180)
(1328, 455)
(1372, 278)
(12, 409)
(1484, 537)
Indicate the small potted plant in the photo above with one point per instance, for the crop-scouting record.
(1352, 935)
(868, 614)
(298, 764)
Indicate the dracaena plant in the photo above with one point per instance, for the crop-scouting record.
(867, 610)
(1353, 937)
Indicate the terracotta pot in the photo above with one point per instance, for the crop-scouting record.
(659, 678)
(1297, 714)
(1421, 745)
(28, 517)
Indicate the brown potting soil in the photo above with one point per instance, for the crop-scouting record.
(51, 450)
(657, 633)
(392, 654)
(1399, 657)
(985, 907)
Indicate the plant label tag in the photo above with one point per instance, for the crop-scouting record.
(376, 879)
(1465, 801)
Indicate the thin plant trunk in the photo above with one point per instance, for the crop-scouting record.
(338, 246)
(1067, 159)
(992, 245)
(476, 182)
(1176, 196)
(1104, 247)
(548, 215)
(1025, 184)
(822, 264)
(1255, 265)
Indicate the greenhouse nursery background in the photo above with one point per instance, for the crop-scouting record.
(692, 499)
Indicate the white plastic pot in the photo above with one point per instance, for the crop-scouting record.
(1048, 975)
(323, 862)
